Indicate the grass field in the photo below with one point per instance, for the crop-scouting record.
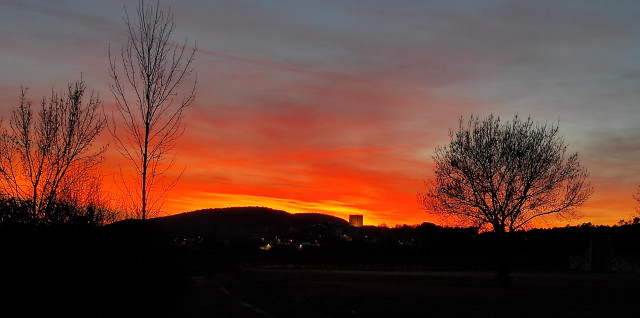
(274, 292)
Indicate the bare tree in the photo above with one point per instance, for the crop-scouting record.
(145, 83)
(45, 158)
(636, 196)
(505, 175)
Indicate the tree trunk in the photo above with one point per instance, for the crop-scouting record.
(502, 255)
(145, 155)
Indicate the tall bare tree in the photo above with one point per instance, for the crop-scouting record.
(145, 83)
(44, 158)
(505, 175)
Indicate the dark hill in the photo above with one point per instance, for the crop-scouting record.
(309, 219)
(241, 222)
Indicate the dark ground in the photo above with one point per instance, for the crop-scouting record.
(335, 293)
(78, 273)
(260, 292)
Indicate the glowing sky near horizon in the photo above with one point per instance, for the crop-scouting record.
(336, 106)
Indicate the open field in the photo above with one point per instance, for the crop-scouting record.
(273, 292)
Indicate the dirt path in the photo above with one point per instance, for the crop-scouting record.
(206, 296)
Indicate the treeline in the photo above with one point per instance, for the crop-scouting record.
(422, 247)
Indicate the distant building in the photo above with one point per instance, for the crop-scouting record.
(356, 220)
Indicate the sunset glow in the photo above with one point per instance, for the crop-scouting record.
(337, 107)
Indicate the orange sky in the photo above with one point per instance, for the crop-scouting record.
(337, 108)
(342, 183)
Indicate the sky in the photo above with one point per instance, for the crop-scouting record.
(336, 106)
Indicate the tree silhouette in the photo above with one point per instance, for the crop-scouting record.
(145, 83)
(504, 175)
(636, 196)
(47, 160)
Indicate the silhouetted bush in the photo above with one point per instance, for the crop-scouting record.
(15, 211)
